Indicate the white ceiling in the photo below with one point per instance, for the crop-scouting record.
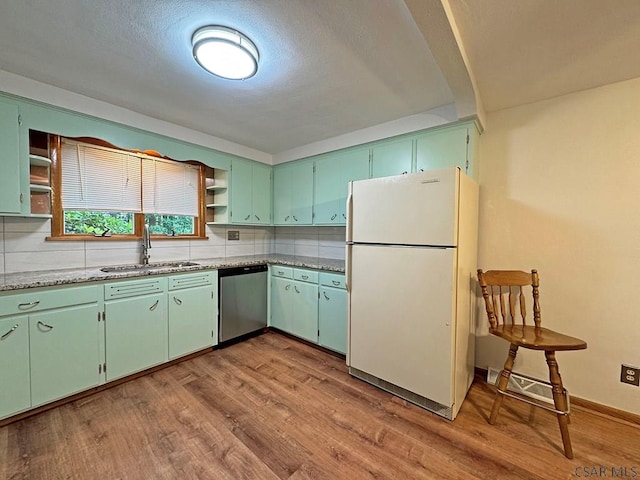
(328, 67)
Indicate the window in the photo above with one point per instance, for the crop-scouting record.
(100, 191)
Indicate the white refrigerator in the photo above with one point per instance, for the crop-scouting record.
(410, 263)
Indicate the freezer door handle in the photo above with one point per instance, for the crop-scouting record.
(349, 209)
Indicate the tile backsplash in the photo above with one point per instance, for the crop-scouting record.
(23, 246)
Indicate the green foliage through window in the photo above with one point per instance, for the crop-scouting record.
(96, 223)
(170, 224)
(122, 223)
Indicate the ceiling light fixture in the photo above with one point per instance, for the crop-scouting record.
(225, 52)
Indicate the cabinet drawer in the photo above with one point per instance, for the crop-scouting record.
(133, 288)
(190, 280)
(310, 276)
(284, 272)
(332, 279)
(45, 300)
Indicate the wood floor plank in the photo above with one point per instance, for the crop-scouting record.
(275, 408)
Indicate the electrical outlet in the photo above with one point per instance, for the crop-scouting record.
(630, 375)
(233, 234)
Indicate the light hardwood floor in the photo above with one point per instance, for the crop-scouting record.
(272, 407)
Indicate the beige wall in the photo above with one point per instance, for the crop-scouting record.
(560, 192)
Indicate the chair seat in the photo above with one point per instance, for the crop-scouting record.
(528, 336)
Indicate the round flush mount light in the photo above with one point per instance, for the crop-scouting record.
(225, 52)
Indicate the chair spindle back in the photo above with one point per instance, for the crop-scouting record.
(504, 296)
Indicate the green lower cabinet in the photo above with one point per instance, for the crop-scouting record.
(192, 320)
(65, 354)
(15, 391)
(294, 307)
(280, 304)
(304, 310)
(332, 318)
(136, 334)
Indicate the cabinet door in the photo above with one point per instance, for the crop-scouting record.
(192, 320)
(136, 334)
(391, 158)
(354, 166)
(261, 198)
(281, 304)
(442, 149)
(282, 195)
(302, 193)
(64, 352)
(241, 181)
(15, 391)
(9, 159)
(304, 310)
(327, 192)
(332, 319)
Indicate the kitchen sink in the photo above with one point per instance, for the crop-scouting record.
(150, 266)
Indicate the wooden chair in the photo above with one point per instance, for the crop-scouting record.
(506, 308)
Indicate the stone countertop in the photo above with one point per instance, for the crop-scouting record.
(47, 278)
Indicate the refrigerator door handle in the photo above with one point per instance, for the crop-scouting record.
(347, 267)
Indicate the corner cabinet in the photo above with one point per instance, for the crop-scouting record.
(11, 195)
(15, 394)
(309, 304)
(250, 193)
(50, 338)
(293, 193)
(216, 196)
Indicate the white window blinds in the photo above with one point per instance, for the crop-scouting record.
(100, 179)
(96, 178)
(169, 188)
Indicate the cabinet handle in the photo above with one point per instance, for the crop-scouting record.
(280, 272)
(325, 296)
(286, 218)
(177, 300)
(405, 172)
(11, 330)
(335, 282)
(294, 217)
(422, 169)
(257, 217)
(305, 277)
(287, 287)
(344, 216)
(44, 325)
(27, 306)
(296, 289)
(333, 217)
(247, 217)
(153, 307)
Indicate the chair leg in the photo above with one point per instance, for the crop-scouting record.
(505, 374)
(560, 402)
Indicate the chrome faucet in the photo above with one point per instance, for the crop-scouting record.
(146, 245)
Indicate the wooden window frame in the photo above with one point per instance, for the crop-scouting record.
(57, 218)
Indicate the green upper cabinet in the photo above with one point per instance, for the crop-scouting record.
(448, 147)
(261, 198)
(250, 193)
(293, 193)
(332, 176)
(9, 159)
(391, 158)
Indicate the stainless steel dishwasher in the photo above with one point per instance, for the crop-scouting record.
(243, 301)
